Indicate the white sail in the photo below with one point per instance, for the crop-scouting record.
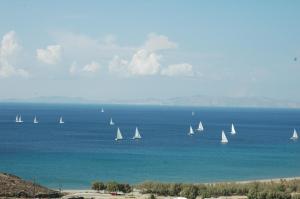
(295, 135)
(224, 138)
(61, 120)
(102, 110)
(17, 118)
(233, 132)
(137, 134)
(20, 119)
(119, 135)
(35, 121)
(191, 132)
(111, 122)
(200, 127)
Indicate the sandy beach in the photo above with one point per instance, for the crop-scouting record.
(260, 180)
(89, 194)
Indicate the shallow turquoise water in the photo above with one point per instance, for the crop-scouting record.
(83, 149)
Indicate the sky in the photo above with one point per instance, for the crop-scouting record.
(125, 50)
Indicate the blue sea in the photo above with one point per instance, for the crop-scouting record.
(83, 149)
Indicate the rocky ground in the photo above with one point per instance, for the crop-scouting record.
(12, 186)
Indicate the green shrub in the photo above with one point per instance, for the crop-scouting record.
(112, 186)
(152, 196)
(125, 188)
(98, 186)
(278, 195)
(189, 191)
(253, 194)
(174, 189)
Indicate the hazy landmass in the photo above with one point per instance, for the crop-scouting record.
(198, 100)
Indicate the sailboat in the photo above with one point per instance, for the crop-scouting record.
(295, 135)
(119, 135)
(35, 121)
(102, 110)
(233, 132)
(191, 131)
(20, 119)
(200, 127)
(17, 119)
(61, 120)
(111, 122)
(224, 138)
(137, 134)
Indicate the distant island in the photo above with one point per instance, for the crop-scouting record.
(197, 101)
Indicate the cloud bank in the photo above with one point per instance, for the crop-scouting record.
(9, 49)
(50, 55)
(178, 70)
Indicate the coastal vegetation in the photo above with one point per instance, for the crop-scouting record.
(283, 189)
(111, 187)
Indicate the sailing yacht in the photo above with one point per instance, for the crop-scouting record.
(111, 122)
(200, 127)
(119, 135)
(191, 131)
(61, 120)
(20, 119)
(17, 119)
(102, 110)
(224, 138)
(233, 132)
(295, 135)
(35, 121)
(137, 134)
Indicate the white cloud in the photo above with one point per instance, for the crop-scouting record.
(118, 66)
(91, 67)
(102, 48)
(9, 44)
(158, 42)
(144, 63)
(88, 68)
(9, 49)
(51, 55)
(178, 70)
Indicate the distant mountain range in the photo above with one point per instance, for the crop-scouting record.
(198, 100)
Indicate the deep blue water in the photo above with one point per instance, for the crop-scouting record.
(83, 149)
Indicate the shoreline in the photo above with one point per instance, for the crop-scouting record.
(262, 180)
(237, 182)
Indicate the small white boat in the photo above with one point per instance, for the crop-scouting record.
(17, 119)
(119, 135)
(20, 119)
(102, 110)
(295, 135)
(137, 134)
(61, 120)
(35, 121)
(233, 132)
(200, 127)
(224, 138)
(191, 132)
(111, 122)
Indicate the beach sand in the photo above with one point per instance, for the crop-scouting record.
(89, 194)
